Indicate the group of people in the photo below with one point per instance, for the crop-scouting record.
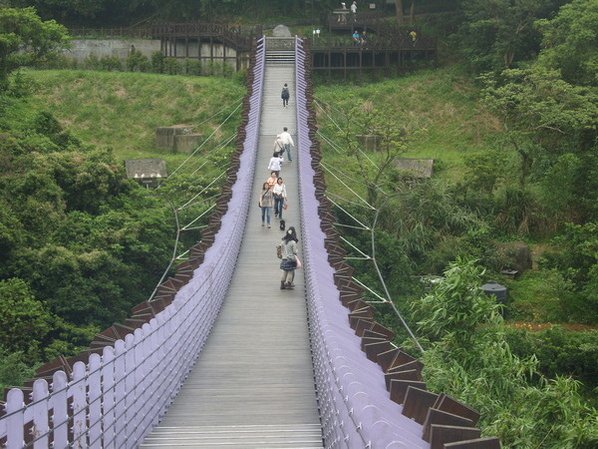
(359, 39)
(274, 192)
(273, 196)
(342, 12)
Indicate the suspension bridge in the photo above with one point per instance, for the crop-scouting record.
(220, 357)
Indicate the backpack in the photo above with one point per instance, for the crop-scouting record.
(279, 250)
(283, 225)
(285, 93)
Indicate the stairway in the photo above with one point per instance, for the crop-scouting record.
(280, 50)
(307, 436)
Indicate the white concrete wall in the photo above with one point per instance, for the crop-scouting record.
(82, 48)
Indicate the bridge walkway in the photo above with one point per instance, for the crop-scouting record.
(253, 384)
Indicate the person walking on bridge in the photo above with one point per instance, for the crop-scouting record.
(285, 95)
(289, 259)
(280, 196)
(275, 164)
(266, 203)
(287, 142)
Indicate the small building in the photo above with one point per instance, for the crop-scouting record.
(148, 172)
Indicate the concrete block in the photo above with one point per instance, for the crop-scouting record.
(186, 143)
(165, 135)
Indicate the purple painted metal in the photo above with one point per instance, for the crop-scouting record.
(356, 409)
(40, 414)
(131, 385)
(95, 401)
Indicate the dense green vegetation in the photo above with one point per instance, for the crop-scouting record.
(514, 141)
(81, 243)
(511, 123)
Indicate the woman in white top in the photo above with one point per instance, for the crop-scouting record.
(279, 192)
(275, 164)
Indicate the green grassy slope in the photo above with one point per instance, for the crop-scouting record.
(440, 104)
(122, 110)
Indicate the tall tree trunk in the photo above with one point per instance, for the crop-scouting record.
(412, 12)
(399, 8)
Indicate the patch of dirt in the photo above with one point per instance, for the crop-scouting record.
(121, 92)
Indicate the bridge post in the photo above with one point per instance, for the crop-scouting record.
(78, 391)
(59, 405)
(15, 399)
(108, 405)
(119, 381)
(130, 386)
(149, 387)
(40, 414)
(95, 405)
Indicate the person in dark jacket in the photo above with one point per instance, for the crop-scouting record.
(285, 95)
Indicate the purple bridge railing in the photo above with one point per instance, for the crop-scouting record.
(116, 397)
(370, 393)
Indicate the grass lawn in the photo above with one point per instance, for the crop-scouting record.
(121, 110)
(441, 104)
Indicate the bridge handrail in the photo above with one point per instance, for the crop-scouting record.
(114, 399)
(356, 364)
(354, 403)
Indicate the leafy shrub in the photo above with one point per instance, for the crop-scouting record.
(111, 64)
(20, 85)
(91, 62)
(560, 352)
(157, 62)
(23, 320)
(576, 259)
(192, 67)
(137, 62)
(172, 66)
(15, 368)
(57, 61)
(470, 358)
(541, 296)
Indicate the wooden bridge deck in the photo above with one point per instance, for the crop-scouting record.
(253, 385)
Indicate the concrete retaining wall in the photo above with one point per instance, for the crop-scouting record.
(83, 48)
(120, 48)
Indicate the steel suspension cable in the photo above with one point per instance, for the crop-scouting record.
(205, 141)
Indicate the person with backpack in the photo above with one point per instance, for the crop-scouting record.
(280, 196)
(285, 95)
(289, 259)
(266, 202)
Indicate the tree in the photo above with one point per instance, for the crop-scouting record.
(399, 10)
(496, 34)
(570, 42)
(547, 118)
(23, 320)
(364, 121)
(25, 39)
(469, 358)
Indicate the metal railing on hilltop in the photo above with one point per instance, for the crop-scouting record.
(239, 37)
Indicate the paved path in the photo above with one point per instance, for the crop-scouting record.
(253, 385)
